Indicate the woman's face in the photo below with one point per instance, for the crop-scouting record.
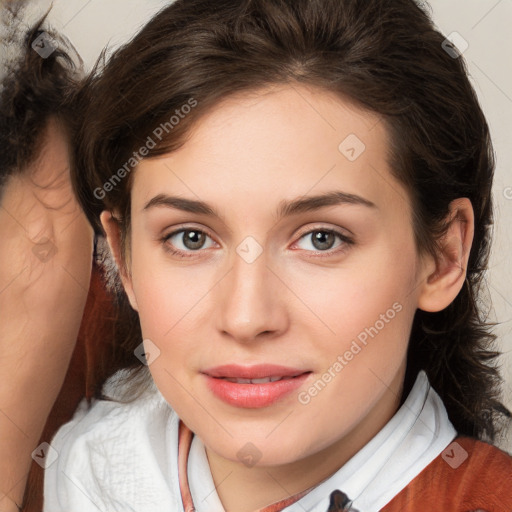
(294, 247)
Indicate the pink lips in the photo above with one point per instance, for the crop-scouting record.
(253, 395)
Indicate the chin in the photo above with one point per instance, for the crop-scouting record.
(257, 451)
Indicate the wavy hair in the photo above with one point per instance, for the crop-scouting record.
(34, 87)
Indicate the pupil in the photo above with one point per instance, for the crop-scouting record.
(193, 239)
(323, 240)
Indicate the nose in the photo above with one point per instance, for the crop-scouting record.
(251, 301)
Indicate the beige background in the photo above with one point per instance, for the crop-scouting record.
(484, 24)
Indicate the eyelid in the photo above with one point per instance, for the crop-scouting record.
(187, 227)
(323, 227)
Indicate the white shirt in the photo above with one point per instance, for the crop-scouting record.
(124, 457)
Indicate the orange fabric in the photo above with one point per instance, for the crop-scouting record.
(483, 481)
(88, 368)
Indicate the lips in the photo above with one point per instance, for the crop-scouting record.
(254, 386)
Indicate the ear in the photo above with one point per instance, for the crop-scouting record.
(445, 277)
(113, 230)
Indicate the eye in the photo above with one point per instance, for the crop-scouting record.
(185, 241)
(323, 240)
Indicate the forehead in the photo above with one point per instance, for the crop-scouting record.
(280, 142)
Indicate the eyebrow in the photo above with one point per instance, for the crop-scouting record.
(285, 208)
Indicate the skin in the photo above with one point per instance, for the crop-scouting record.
(45, 268)
(294, 305)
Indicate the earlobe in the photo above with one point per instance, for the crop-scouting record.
(113, 231)
(443, 284)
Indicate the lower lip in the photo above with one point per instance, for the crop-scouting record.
(254, 396)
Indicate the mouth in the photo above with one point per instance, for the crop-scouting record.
(263, 380)
(255, 373)
(255, 386)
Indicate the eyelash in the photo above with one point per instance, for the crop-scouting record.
(347, 241)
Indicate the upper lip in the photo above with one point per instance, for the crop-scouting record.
(257, 371)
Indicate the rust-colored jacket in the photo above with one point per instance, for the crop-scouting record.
(483, 481)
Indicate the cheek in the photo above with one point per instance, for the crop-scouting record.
(166, 314)
(162, 294)
(165, 305)
(171, 304)
(353, 297)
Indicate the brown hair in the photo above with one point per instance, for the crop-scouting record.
(35, 88)
(384, 55)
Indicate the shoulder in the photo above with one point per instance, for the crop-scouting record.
(99, 448)
(487, 476)
(468, 475)
(482, 454)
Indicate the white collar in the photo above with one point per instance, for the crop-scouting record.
(418, 432)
